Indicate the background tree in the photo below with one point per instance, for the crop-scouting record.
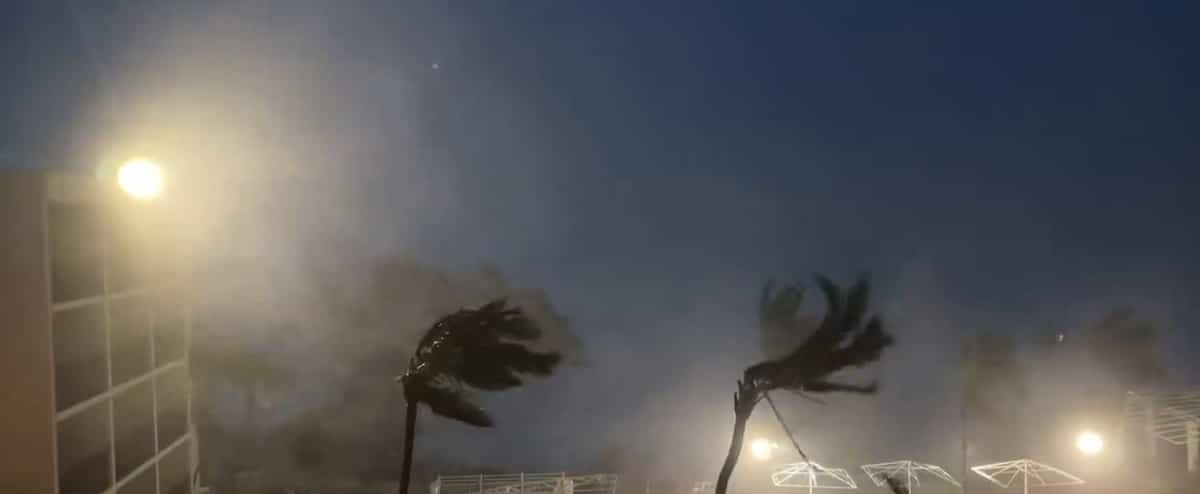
(995, 391)
(483, 349)
(213, 366)
(994, 378)
(1086, 377)
(394, 294)
(309, 448)
(845, 338)
(1125, 347)
(333, 324)
(253, 373)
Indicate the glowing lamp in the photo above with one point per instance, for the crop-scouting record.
(1089, 443)
(141, 178)
(762, 449)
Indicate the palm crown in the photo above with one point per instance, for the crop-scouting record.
(479, 348)
(482, 348)
(846, 337)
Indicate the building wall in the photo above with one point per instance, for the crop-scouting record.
(26, 433)
(96, 355)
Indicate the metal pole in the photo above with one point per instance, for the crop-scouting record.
(1151, 415)
(1026, 477)
(908, 472)
(1193, 446)
(962, 411)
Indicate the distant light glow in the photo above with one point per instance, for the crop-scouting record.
(762, 449)
(141, 178)
(1089, 443)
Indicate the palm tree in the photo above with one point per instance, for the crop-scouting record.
(994, 395)
(482, 349)
(1125, 346)
(844, 338)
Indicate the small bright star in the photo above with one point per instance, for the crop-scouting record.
(436, 66)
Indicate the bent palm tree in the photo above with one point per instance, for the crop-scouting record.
(479, 349)
(844, 338)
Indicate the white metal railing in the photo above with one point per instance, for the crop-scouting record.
(525, 483)
(1171, 417)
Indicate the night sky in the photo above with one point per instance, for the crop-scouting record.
(1013, 167)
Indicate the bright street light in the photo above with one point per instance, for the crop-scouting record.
(762, 449)
(141, 178)
(1089, 443)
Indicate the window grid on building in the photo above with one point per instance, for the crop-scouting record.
(118, 344)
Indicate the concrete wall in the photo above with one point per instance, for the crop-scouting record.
(26, 379)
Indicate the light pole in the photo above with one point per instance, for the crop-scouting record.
(962, 411)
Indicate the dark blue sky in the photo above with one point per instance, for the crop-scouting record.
(1016, 166)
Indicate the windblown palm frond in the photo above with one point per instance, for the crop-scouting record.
(478, 348)
(840, 341)
(482, 348)
(448, 401)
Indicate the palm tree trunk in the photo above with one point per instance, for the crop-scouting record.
(731, 458)
(743, 405)
(252, 412)
(251, 438)
(410, 432)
